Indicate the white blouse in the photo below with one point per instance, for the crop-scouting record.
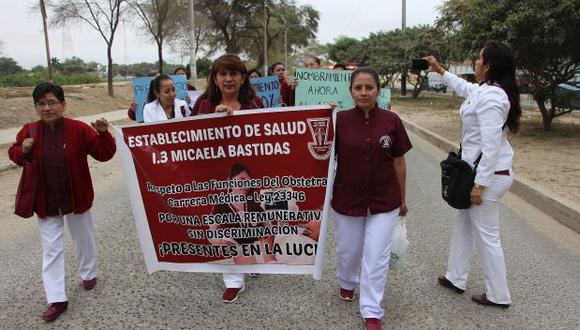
(153, 111)
(483, 113)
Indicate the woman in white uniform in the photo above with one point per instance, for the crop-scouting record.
(490, 109)
(163, 104)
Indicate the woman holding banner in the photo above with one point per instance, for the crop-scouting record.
(368, 193)
(163, 104)
(228, 88)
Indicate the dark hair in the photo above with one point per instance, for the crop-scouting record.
(502, 71)
(273, 66)
(43, 88)
(237, 169)
(155, 86)
(368, 70)
(339, 65)
(184, 69)
(315, 58)
(254, 70)
(230, 62)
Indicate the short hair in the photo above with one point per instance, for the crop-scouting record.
(273, 66)
(339, 65)
(368, 70)
(46, 87)
(254, 70)
(315, 58)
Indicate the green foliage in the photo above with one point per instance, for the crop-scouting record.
(26, 79)
(9, 66)
(341, 49)
(544, 35)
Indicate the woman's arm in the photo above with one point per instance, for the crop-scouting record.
(401, 174)
(459, 85)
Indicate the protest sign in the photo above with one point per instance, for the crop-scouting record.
(241, 193)
(324, 86)
(384, 99)
(141, 89)
(268, 89)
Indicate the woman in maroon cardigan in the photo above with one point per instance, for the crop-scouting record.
(228, 88)
(64, 188)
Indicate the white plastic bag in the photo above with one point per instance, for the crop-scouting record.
(399, 244)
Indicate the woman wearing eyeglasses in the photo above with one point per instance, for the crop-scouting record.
(64, 189)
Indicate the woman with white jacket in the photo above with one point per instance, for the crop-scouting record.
(163, 104)
(490, 109)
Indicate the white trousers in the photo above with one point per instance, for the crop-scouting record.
(366, 241)
(83, 235)
(479, 226)
(234, 280)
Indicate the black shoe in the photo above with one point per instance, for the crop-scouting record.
(443, 281)
(482, 300)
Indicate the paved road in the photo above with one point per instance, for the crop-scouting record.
(543, 259)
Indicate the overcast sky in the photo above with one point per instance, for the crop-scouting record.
(23, 39)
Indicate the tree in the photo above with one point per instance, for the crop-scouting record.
(279, 16)
(544, 35)
(158, 16)
(341, 49)
(180, 39)
(9, 66)
(102, 15)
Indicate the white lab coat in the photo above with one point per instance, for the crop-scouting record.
(153, 111)
(483, 113)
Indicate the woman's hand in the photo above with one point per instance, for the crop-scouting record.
(100, 125)
(403, 210)
(434, 65)
(224, 108)
(332, 105)
(27, 145)
(292, 83)
(477, 195)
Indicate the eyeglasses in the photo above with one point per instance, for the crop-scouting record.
(51, 104)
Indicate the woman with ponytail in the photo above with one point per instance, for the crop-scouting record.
(491, 109)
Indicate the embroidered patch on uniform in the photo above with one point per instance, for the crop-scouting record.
(385, 142)
(321, 147)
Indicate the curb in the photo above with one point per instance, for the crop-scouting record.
(561, 209)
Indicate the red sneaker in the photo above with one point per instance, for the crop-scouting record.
(345, 294)
(89, 284)
(231, 294)
(54, 311)
(373, 324)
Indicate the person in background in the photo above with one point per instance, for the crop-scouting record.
(183, 71)
(339, 66)
(64, 188)
(163, 104)
(287, 85)
(312, 62)
(490, 110)
(254, 73)
(369, 193)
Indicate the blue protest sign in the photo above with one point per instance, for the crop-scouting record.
(268, 89)
(141, 89)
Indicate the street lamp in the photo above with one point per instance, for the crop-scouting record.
(286, 45)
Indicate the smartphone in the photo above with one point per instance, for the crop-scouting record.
(419, 64)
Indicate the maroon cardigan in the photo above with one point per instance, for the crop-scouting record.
(81, 140)
(203, 106)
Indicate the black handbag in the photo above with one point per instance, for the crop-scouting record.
(457, 179)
